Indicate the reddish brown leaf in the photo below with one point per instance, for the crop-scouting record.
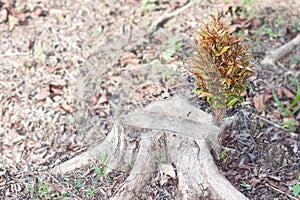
(276, 115)
(3, 100)
(56, 88)
(104, 97)
(298, 116)
(233, 28)
(261, 100)
(129, 58)
(256, 23)
(2, 181)
(279, 92)
(29, 63)
(10, 99)
(53, 69)
(67, 108)
(43, 94)
(132, 2)
(38, 11)
(21, 18)
(30, 44)
(3, 16)
(58, 84)
(57, 188)
(175, 5)
(8, 4)
(95, 99)
(288, 94)
(56, 91)
(254, 181)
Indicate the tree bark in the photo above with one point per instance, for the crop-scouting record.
(190, 138)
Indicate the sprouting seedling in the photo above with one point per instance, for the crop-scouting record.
(102, 169)
(224, 156)
(246, 186)
(296, 188)
(159, 158)
(221, 65)
(211, 84)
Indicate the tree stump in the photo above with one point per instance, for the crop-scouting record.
(189, 138)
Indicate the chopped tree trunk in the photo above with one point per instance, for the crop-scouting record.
(189, 139)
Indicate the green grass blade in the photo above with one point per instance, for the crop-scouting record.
(297, 98)
(278, 102)
(296, 109)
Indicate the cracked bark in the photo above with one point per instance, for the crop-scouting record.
(189, 137)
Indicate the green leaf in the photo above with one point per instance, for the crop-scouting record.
(223, 50)
(285, 112)
(296, 109)
(233, 100)
(215, 52)
(290, 125)
(228, 82)
(178, 45)
(96, 169)
(297, 98)
(296, 189)
(206, 94)
(78, 184)
(245, 185)
(170, 52)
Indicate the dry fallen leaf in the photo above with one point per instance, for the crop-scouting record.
(3, 16)
(43, 94)
(234, 27)
(38, 11)
(67, 108)
(256, 23)
(58, 83)
(288, 94)
(56, 88)
(56, 91)
(53, 69)
(95, 98)
(29, 44)
(104, 97)
(2, 181)
(129, 58)
(298, 116)
(166, 171)
(261, 100)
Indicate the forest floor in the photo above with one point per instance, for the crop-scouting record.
(66, 67)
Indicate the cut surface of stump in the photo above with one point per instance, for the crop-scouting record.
(189, 138)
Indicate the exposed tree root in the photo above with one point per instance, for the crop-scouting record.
(163, 19)
(280, 52)
(189, 138)
(141, 171)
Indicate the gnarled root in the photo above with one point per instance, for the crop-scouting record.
(190, 137)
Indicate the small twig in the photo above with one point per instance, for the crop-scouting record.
(270, 122)
(279, 169)
(14, 54)
(62, 185)
(163, 19)
(280, 191)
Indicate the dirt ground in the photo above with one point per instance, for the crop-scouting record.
(68, 69)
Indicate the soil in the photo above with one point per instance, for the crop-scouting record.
(70, 68)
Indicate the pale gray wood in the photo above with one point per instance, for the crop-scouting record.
(190, 137)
